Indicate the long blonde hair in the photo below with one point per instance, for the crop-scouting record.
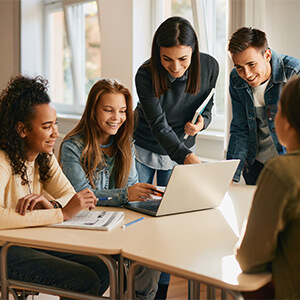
(92, 155)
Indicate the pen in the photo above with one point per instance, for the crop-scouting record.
(132, 222)
(158, 191)
(104, 198)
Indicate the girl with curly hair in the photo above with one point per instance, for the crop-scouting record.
(28, 130)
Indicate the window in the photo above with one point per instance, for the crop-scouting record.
(209, 20)
(72, 60)
(73, 49)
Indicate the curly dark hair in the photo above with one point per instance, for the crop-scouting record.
(17, 104)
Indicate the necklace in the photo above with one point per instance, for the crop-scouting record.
(28, 179)
(29, 186)
(112, 139)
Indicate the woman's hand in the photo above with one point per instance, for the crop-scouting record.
(192, 129)
(31, 202)
(141, 192)
(81, 200)
(192, 159)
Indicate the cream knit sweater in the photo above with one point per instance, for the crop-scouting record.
(11, 190)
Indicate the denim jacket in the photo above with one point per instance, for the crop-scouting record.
(243, 142)
(71, 150)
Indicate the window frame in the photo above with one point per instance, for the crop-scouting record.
(156, 17)
(76, 41)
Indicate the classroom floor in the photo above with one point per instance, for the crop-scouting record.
(178, 290)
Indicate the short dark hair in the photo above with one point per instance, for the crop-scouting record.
(246, 37)
(17, 104)
(172, 32)
(290, 102)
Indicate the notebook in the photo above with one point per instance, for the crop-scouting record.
(94, 220)
(201, 108)
(190, 188)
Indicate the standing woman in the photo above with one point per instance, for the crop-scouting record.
(171, 85)
(28, 130)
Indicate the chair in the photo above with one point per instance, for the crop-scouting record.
(22, 294)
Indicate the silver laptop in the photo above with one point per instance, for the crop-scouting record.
(190, 188)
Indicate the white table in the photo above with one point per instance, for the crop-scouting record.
(87, 242)
(198, 246)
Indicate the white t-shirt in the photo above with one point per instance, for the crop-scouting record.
(266, 147)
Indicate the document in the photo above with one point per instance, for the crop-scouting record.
(201, 108)
(95, 220)
(160, 190)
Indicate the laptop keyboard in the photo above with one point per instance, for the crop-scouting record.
(151, 205)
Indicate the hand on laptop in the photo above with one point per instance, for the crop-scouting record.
(141, 192)
(191, 158)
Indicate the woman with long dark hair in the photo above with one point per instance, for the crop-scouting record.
(171, 85)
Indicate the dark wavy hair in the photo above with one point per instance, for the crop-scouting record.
(174, 31)
(17, 104)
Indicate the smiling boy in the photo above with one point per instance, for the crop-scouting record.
(255, 86)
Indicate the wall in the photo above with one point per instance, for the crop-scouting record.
(124, 24)
(116, 43)
(10, 45)
(282, 24)
(279, 18)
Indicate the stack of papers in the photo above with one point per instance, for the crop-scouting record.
(96, 220)
(158, 197)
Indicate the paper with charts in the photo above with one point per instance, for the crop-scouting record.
(95, 220)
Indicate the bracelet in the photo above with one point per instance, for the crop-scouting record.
(55, 204)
